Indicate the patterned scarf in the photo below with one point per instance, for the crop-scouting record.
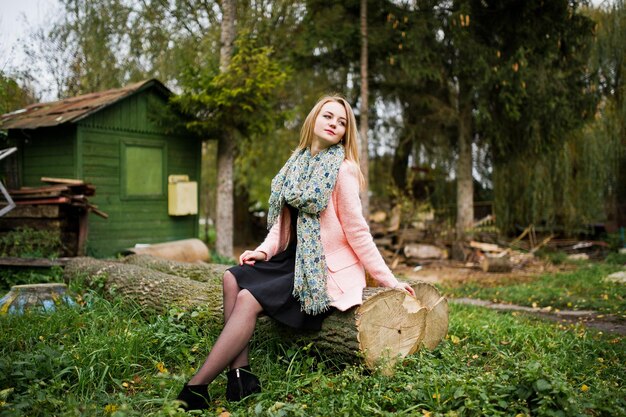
(306, 182)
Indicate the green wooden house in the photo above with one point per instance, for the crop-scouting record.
(113, 140)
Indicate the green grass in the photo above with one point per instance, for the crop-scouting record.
(112, 359)
(582, 289)
(20, 276)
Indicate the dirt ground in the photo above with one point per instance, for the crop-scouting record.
(453, 273)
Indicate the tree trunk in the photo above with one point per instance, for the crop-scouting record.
(227, 36)
(465, 185)
(401, 162)
(150, 289)
(389, 324)
(201, 272)
(225, 197)
(225, 146)
(364, 112)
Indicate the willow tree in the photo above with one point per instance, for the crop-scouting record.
(609, 60)
(514, 84)
(539, 91)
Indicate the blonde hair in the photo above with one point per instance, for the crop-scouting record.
(350, 138)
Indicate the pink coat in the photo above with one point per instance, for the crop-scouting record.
(346, 239)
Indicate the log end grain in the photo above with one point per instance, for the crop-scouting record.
(390, 325)
(436, 324)
(429, 296)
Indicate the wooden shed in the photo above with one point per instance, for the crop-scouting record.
(114, 140)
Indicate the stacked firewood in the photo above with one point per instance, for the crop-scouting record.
(406, 245)
(412, 245)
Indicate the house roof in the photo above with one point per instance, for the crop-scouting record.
(71, 110)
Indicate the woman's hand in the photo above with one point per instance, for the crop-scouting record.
(405, 287)
(249, 257)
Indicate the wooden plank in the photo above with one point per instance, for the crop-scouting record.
(37, 190)
(68, 181)
(51, 200)
(32, 262)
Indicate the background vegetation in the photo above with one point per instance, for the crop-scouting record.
(533, 90)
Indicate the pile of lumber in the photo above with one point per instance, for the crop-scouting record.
(58, 191)
(420, 243)
(61, 206)
(408, 244)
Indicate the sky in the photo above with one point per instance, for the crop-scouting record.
(17, 19)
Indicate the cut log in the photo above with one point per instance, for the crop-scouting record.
(427, 295)
(186, 250)
(389, 325)
(383, 242)
(378, 216)
(493, 264)
(148, 288)
(437, 318)
(424, 251)
(411, 235)
(199, 271)
(485, 247)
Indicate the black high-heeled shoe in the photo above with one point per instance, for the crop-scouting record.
(195, 397)
(241, 383)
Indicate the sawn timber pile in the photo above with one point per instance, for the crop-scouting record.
(389, 325)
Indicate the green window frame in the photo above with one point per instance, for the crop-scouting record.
(144, 170)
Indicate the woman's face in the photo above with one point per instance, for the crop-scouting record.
(330, 125)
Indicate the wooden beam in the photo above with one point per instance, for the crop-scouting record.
(32, 262)
(67, 181)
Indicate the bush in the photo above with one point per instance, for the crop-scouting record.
(616, 258)
(25, 242)
(17, 276)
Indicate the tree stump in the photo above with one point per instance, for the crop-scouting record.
(44, 297)
(390, 324)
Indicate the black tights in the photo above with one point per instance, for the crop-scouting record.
(231, 348)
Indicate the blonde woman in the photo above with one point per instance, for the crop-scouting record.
(313, 259)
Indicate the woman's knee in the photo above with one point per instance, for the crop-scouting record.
(245, 299)
(229, 282)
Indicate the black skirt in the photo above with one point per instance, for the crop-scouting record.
(271, 284)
